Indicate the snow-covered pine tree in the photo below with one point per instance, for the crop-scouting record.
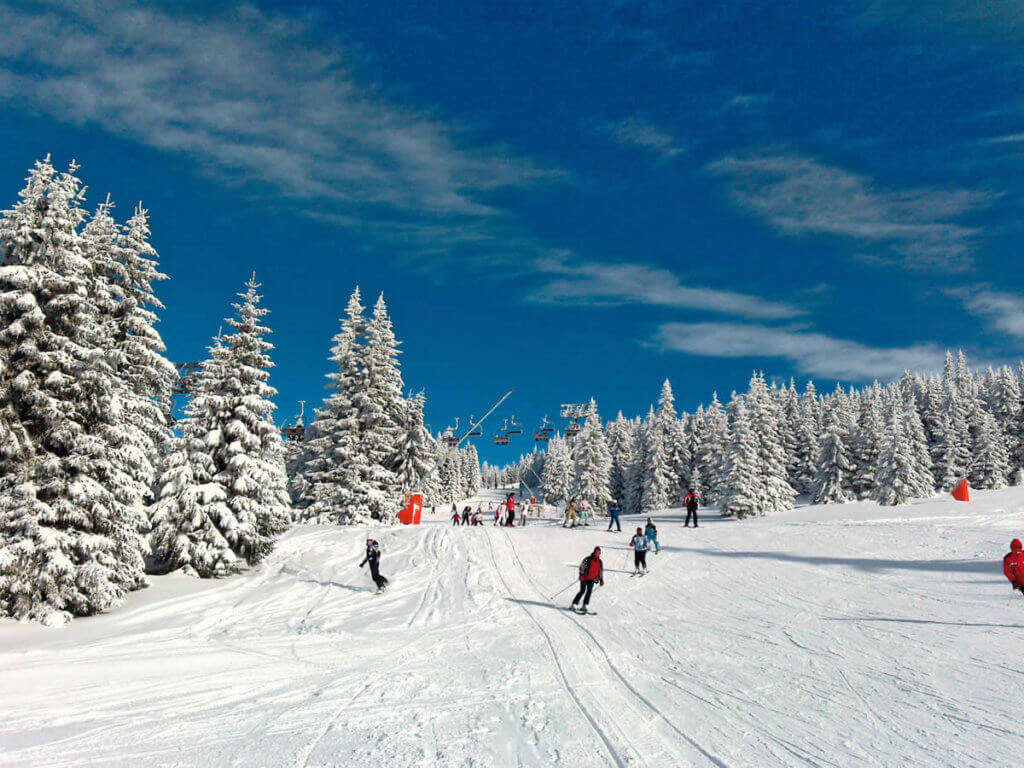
(775, 492)
(807, 430)
(865, 442)
(225, 499)
(894, 468)
(990, 467)
(621, 446)
(557, 477)
(741, 491)
(1007, 407)
(834, 476)
(712, 460)
(594, 462)
(952, 456)
(70, 518)
(659, 480)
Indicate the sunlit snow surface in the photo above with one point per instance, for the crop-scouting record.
(845, 635)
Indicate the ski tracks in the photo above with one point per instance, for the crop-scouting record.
(589, 662)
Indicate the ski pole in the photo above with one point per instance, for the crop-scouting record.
(571, 583)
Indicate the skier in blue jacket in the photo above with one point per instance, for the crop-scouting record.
(614, 510)
(640, 547)
(651, 532)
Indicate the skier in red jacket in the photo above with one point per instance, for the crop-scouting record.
(591, 570)
(1013, 565)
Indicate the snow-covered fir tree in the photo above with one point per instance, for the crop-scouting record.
(622, 449)
(659, 478)
(775, 492)
(71, 517)
(593, 462)
(990, 465)
(558, 475)
(224, 497)
(741, 490)
(833, 481)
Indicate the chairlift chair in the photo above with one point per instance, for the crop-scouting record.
(294, 429)
(450, 436)
(474, 431)
(516, 428)
(501, 439)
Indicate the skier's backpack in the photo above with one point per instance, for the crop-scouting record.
(585, 566)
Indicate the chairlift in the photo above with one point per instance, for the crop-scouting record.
(294, 429)
(541, 436)
(516, 428)
(188, 374)
(573, 429)
(501, 439)
(450, 436)
(546, 427)
(474, 431)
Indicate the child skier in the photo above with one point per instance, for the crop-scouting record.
(591, 570)
(584, 512)
(640, 547)
(690, 502)
(455, 516)
(651, 532)
(1013, 565)
(570, 515)
(373, 558)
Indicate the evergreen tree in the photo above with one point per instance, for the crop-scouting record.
(741, 492)
(241, 504)
(557, 478)
(70, 516)
(659, 481)
(775, 493)
(594, 462)
(990, 467)
(621, 446)
(833, 480)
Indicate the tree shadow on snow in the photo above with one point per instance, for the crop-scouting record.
(926, 621)
(868, 564)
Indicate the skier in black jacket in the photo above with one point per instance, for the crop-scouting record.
(373, 558)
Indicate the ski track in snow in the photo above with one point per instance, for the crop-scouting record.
(839, 636)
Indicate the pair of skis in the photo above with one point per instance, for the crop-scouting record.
(582, 611)
(638, 573)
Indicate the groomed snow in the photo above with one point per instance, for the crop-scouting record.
(845, 635)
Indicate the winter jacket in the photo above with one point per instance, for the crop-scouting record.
(511, 503)
(614, 510)
(690, 502)
(650, 531)
(639, 543)
(1013, 564)
(372, 555)
(592, 569)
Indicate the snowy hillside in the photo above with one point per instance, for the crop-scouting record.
(841, 635)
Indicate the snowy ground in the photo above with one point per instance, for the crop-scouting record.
(847, 636)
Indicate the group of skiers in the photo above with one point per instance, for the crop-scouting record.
(504, 514)
(577, 513)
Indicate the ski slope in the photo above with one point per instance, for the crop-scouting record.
(828, 636)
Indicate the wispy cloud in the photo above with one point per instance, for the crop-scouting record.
(642, 134)
(1004, 311)
(603, 284)
(814, 354)
(799, 195)
(262, 101)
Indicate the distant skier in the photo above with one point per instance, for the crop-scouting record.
(570, 515)
(690, 502)
(373, 558)
(477, 520)
(584, 512)
(591, 570)
(651, 532)
(510, 504)
(614, 510)
(1013, 565)
(465, 514)
(640, 546)
(455, 515)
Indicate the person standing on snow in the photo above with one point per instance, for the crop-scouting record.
(690, 502)
(584, 512)
(640, 547)
(591, 570)
(455, 515)
(651, 532)
(570, 515)
(614, 510)
(510, 503)
(465, 514)
(1013, 565)
(373, 558)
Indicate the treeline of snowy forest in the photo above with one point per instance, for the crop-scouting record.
(96, 487)
(911, 438)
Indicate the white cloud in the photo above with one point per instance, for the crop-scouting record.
(798, 195)
(263, 102)
(603, 284)
(813, 354)
(642, 134)
(1004, 311)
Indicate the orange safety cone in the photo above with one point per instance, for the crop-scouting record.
(962, 491)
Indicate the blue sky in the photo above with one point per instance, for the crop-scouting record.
(572, 199)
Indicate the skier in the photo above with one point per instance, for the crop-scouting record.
(455, 516)
(591, 570)
(651, 532)
(1013, 565)
(640, 546)
(373, 557)
(614, 510)
(510, 518)
(584, 513)
(465, 515)
(570, 515)
(690, 502)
